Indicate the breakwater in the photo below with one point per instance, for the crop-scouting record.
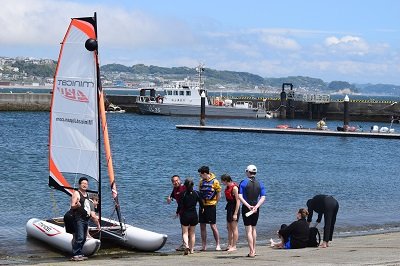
(378, 111)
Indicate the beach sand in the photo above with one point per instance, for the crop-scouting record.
(379, 249)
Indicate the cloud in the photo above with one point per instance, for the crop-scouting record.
(44, 22)
(347, 44)
(244, 49)
(280, 42)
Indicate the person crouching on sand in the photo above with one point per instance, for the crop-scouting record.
(296, 234)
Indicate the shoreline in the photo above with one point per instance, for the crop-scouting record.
(373, 249)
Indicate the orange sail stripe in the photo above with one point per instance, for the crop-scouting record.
(84, 26)
(58, 175)
(107, 146)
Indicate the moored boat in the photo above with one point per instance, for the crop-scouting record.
(183, 98)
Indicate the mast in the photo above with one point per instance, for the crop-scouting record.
(107, 148)
(98, 123)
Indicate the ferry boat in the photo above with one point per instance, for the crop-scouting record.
(183, 98)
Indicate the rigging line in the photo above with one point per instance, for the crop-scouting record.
(56, 210)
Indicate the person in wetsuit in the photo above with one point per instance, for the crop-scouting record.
(327, 206)
(252, 196)
(232, 210)
(80, 206)
(188, 215)
(296, 234)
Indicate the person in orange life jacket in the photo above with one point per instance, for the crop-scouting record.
(232, 210)
(177, 192)
(188, 215)
(210, 192)
(252, 195)
(296, 234)
(81, 212)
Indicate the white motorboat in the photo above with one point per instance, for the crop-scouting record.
(183, 98)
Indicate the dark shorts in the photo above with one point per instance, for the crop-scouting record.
(230, 209)
(209, 216)
(252, 219)
(189, 219)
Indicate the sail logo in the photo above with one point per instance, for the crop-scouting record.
(46, 228)
(67, 88)
(73, 94)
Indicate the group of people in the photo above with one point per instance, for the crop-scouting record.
(244, 198)
(250, 192)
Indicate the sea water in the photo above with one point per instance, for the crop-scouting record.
(361, 173)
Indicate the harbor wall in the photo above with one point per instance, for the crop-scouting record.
(359, 110)
(25, 101)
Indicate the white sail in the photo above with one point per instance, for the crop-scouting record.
(74, 112)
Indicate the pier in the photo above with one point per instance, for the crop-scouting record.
(292, 131)
(371, 111)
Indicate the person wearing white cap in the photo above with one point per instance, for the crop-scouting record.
(252, 196)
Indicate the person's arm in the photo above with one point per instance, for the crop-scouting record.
(236, 195)
(217, 188)
(262, 197)
(95, 219)
(319, 217)
(259, 203)
(241, 198)
(75, 200)
(170, 197)
(200, 201)
(244, 201)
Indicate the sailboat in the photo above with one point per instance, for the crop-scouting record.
(77, 122)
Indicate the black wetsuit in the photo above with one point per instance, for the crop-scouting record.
(187, 208)
(298, 232)
(327, 206)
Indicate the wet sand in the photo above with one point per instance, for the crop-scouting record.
(380, 249)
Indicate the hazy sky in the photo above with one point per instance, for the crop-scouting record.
(351, 40)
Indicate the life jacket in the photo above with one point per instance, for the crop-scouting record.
(229, 191)
(207, 191)
(82, 211)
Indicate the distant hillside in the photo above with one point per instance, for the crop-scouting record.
(216, 79)
(297, 81)
(378, 89)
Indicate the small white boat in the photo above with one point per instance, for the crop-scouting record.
(112, 108)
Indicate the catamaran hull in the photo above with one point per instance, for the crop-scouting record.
(194, 110)
(135, 238)
(56, 236)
